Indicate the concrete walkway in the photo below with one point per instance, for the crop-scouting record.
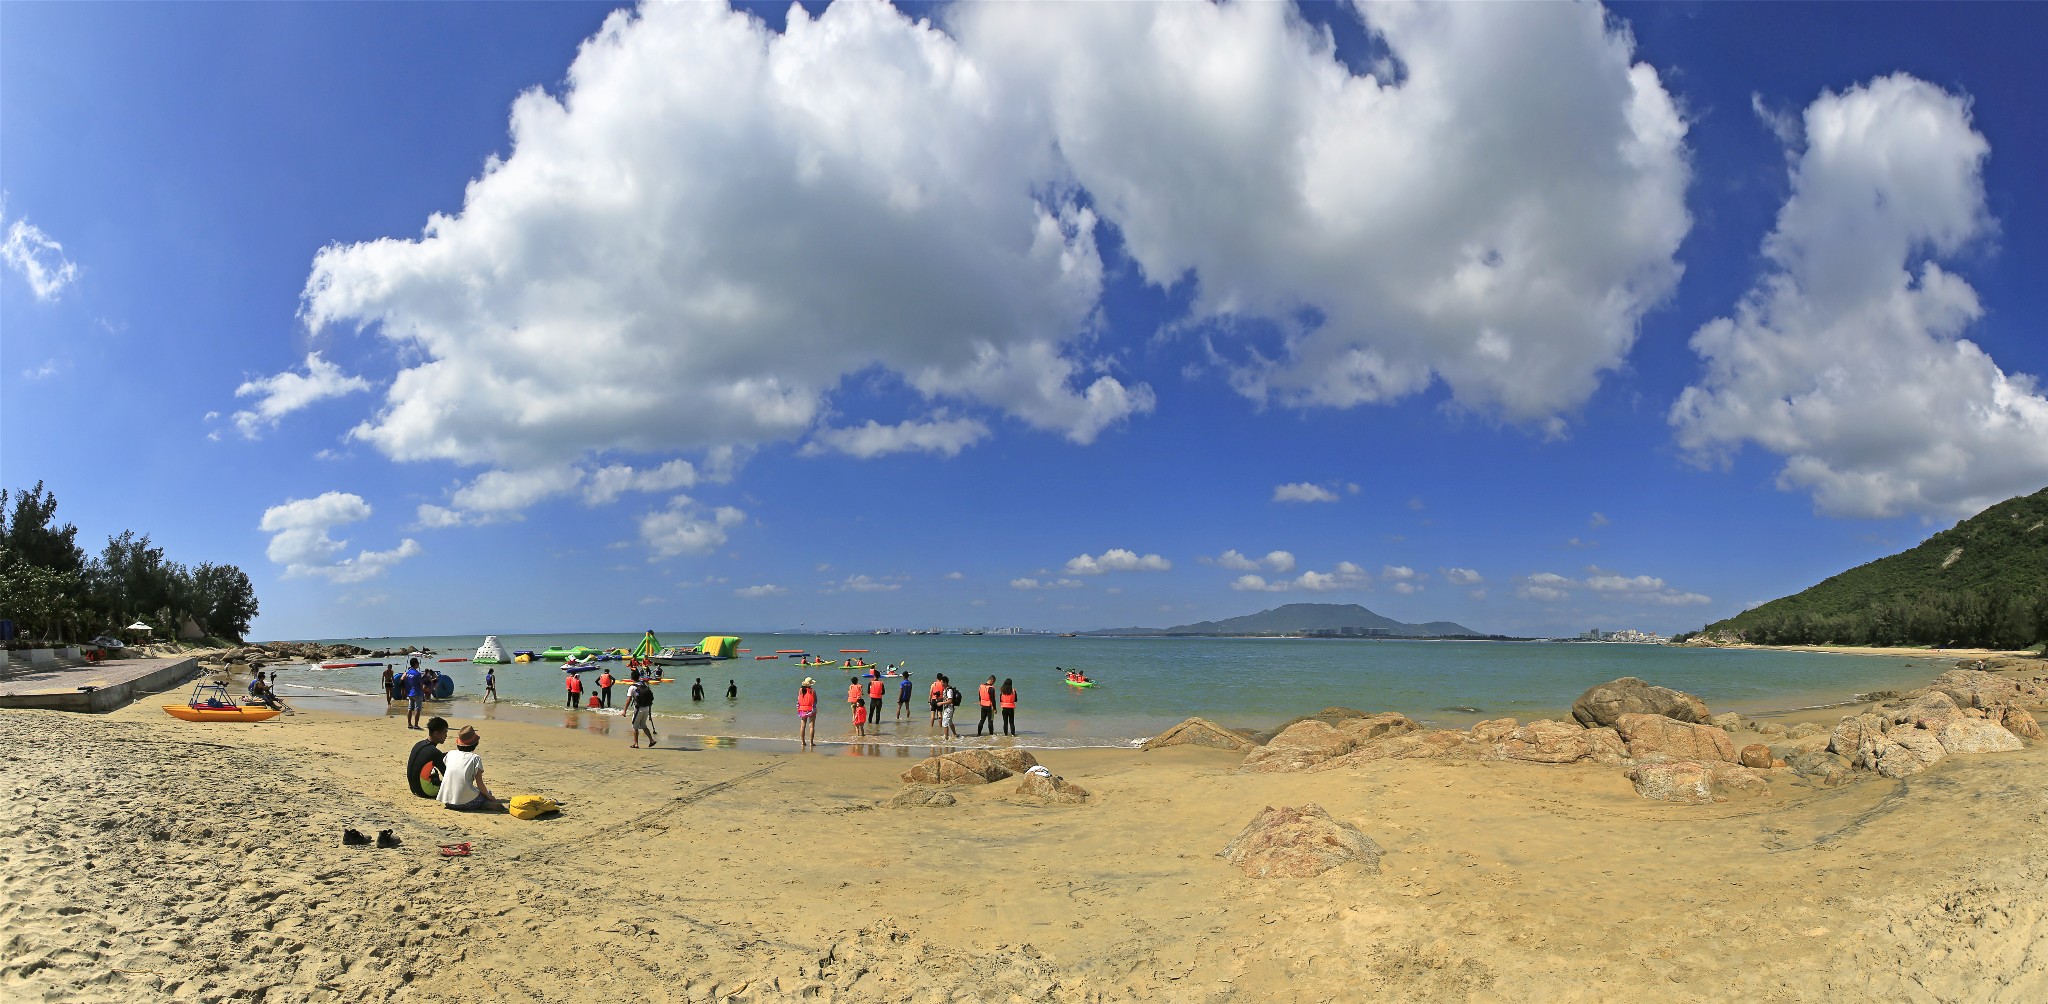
(60, 686)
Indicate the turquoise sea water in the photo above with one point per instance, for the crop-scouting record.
(1145, 685)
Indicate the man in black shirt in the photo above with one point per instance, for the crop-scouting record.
(423, 767)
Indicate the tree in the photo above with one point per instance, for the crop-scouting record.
(224, 600)
(31, 535)
(39, 599)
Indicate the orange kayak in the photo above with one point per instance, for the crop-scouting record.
(192, 713)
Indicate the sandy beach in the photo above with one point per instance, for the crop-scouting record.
(143, 858)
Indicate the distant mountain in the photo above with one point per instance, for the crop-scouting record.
(1982, 582)
(1308, 618)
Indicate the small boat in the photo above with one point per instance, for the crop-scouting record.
(555, 653)
(853, 651)
(714, 648)
(210, 703)
(760, 658)
(850, 664)
(490, 651)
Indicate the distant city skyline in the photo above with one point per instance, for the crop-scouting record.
(455, 318)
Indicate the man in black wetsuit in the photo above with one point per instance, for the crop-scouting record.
(427, 783)
(697, 690)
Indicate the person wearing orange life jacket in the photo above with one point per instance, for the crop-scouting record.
(807, 714)
(1008, 697)
(575, 685)
(604, 688)
(853, 691)
(988, 707)
(938, 696)
(876, 688)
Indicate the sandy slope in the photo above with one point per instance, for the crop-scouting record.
(142, 858)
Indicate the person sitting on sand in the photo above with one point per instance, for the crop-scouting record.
(462, 776)
(424, 767)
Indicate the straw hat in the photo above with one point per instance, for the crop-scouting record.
(808, 682)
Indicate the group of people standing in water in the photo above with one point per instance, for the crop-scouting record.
(864, 699)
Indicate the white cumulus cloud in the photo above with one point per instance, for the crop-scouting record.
(287, 392)
(38, 259)
(300, 539)
(713, 209)
(608, 483)
(1500, 217)
(1116, 559)
(946, 437)
(1463, 577)
(684, 527)
(865, 584)
(757, 592)
(1031, 583)
(1345, 576)
(1302, 491)
(1847, 357)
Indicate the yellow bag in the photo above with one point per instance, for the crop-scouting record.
(532, 806)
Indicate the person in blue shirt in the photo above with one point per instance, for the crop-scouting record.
(415, 694)
(903, 698)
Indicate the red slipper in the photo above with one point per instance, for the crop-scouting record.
(455, 850)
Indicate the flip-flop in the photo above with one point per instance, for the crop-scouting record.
(455, 850)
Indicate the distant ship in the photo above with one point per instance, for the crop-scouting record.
(882, 631)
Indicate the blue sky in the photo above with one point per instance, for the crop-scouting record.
(1537, 318)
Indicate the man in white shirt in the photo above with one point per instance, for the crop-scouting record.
(462, 776)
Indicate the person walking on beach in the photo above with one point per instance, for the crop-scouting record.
(988, 707)
(732, 690)
(949, 704)
(876, 688)
(389, 694)
(574, 682)
(423, 768)
(415, 697)
(938, 696)
(640, 702)
(853, 695)
(860, 717)
(1008, 698)
(462, 776)
(697, 690)
(903, 699)
(604, 687)
(490, 685)
(807, 715)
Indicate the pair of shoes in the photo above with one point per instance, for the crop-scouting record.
(385, 838)
(352, 837)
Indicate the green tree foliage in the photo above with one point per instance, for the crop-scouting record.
(1982, 583)
(52, 590)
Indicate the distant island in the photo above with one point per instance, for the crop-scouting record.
(1312, 620)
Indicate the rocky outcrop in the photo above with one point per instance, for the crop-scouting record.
(1379, 726)
(1727, 722)
(1755, 756)
(1693, 783)
(1201, 732)
(1847, 738)
(1606, 703)
(1494, 730)
(1902, 752)
(1822, 768)
(2019, 722)
(1974, 688)
(922, 797)
(1547, 742)
(1805, 729)
(1051, 790)
(1607, 745)
(1303, 842)
(1332, 716)
(969, 767)
(1650, 735)
(1303, 745)
(1932, 710)
(1975, 735)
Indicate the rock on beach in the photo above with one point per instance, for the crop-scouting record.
(1201, 732)
(1606, 703)
(1299, 842)
(1649, 735)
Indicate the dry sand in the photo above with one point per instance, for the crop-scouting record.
(143, 858)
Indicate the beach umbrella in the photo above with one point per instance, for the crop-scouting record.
(137, 626)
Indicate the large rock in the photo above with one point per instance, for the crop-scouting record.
(1303, 745)
(965, 767)
(1494, 730)
(1650, 735)
(1847, 738)
(1548, 742)
(1932, 710)
(1051, 790)
(1013, 760)
(1822, 768)
(1201, 732)
(1899, 753)
(1694, 783)
(1726, 722)
(1607, 745)
(2019, 722)
(1332, 716)
(1606, 703)
(1973, 688)
(1975, 735)
(921, 797)
(1303, 842)
(1755, 756)
(1805, 729)
(1379, 726)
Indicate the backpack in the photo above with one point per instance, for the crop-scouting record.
(645, 698)
(953, 694)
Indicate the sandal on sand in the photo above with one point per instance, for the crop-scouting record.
(353, 837)
(455, 850)
(385, 838)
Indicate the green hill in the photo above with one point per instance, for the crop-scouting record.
(1308, 618)
(1983, 582)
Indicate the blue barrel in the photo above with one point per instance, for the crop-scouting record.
(444, 688)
